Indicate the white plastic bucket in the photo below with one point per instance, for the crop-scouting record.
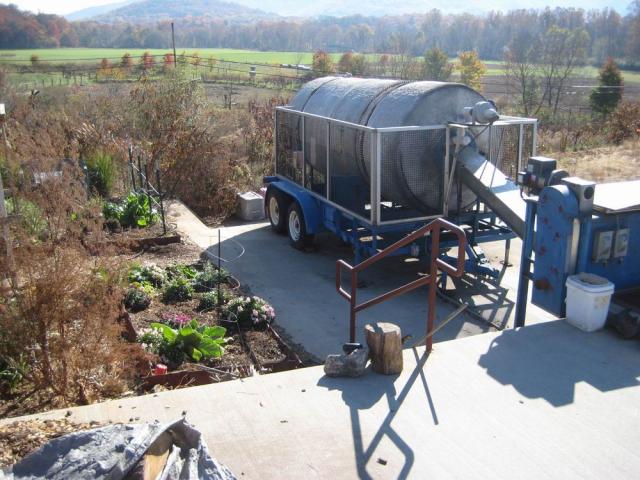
(588, 298)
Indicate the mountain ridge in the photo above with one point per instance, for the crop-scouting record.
(376, 8)
(151, 11)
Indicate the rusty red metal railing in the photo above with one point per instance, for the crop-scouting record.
(434, 228)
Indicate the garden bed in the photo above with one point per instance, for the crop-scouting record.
(170, 302)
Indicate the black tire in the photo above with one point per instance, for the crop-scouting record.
(276, 206)
(298, 236)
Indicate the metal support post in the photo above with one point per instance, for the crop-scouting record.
(525, 263)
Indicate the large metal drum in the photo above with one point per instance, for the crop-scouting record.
(411, 171)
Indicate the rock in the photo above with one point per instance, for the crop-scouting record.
(344, 365)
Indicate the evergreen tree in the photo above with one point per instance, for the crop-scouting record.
(605, 97)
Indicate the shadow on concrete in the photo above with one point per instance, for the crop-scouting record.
(486, 298)
(569, 357)
(362, 394)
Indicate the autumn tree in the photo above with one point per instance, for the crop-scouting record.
(196, 60)
(383, 64)
(345, 64)
(105, 68)
(168, 61)
(471, 69)
(146, 61)
(436, 65)
(126, 62)
(353, 64)
(605, 98)
(322, 62)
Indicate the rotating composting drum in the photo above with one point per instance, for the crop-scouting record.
(411, 172)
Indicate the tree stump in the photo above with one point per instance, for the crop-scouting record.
(385, 347)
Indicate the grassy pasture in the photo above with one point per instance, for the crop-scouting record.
(94, 55)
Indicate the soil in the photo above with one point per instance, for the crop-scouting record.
(19, 439)
(264, 347)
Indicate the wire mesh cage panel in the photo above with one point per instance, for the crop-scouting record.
(505, 147)
(412, 174)
(348, 186)
(289, 153)
(528, 144)
(315, 155)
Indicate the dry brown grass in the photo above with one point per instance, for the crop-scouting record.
(603, 164)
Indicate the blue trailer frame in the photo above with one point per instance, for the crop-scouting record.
(370, 235)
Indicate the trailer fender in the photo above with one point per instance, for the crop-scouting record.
(310, 208)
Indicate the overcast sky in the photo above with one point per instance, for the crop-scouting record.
(60, 6)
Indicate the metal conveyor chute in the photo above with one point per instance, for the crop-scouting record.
(493, 188)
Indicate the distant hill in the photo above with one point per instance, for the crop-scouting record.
(157, 10)
(87, 13)
(341, 8)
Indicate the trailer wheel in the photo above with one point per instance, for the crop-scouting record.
(298, 236)
(276, 206)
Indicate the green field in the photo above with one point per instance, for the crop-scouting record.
(94, 55)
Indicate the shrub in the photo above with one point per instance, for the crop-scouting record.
(624, 122)
(101, 173)
(178, 290)
(136, 300)
(63, 318)
(250, 311)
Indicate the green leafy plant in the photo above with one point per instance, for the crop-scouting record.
(250, 311)
(12, 372)
(151, 275)
(136, 299)
(197, 342)
(151, 340)
(180, 270)
(210, 300)
(101, 173)
(210, 277)
(178, 290)
(31, 216)
(134, 212)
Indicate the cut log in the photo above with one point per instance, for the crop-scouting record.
(385, 347)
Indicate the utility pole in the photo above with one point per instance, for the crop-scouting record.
(173, 43)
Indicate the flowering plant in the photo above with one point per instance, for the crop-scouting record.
(176, 319)
(250, 311)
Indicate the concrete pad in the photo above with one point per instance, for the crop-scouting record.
(301, 285)
(544, 401)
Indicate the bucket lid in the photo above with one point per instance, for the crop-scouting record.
(590, 282)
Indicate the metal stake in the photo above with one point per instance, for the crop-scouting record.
(164, 223)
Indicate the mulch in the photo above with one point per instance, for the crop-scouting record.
(19, 439)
